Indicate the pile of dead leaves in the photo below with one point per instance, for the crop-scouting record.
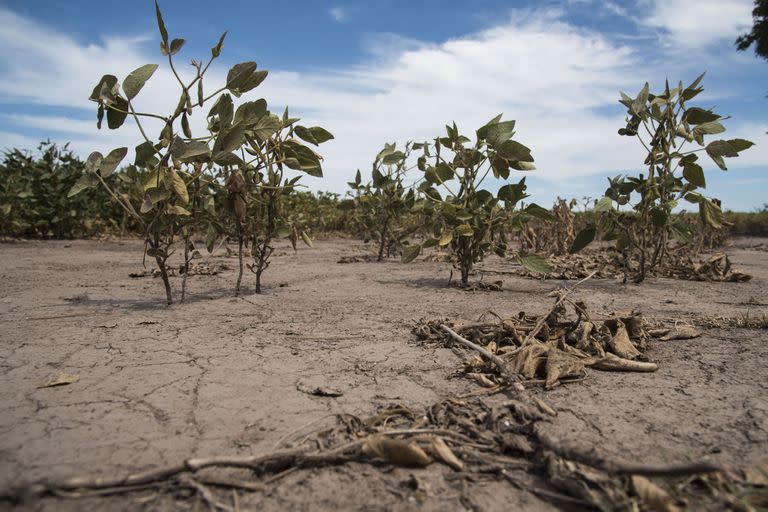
(715, 268)
(608, 264)
(554, 348)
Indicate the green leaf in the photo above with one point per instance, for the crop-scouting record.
(464, 230)
(306, 239)
(111, 161)
(161, 24)
(304, 158)
(710, 128)
(584, 238)
(194, 149)
(393, 158)
(136, 80)
(176, 45)
(410, 252)
(512, 150)
(499, 133)
(144, 152)
(107, 86)
(116, 118)
(84, 182)
(243, 77)
(250, 112)
(696, 115)
(93, 162)
(681, 232)
(740, 145)
(314, 135)
(535, 263)
(695, 175)
(216, 50)
(445, 238)
(659, 217)
(537, 211)
(229, 140)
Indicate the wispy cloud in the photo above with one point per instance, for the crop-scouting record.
(559, 81)
(339, 14)
(697, 23)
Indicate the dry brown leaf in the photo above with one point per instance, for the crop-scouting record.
(482, 380)
(654, 496)
(61, 379)
(621, 345)
(396, 451)
(559, 365)
(529, 359)
(545, 407)
(658, 333)
(757, 474)
(445, 454)
(614, 363)
(682, 332)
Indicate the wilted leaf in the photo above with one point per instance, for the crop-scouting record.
(445, 454)
(682, 332)
(179, 187)
(656, 498)
(445, 238)
(173, 209)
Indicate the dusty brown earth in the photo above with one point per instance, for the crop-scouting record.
(221, 375)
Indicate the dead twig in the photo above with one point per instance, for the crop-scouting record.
(477, 348)
(590, 457)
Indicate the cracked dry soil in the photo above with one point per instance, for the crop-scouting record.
(220, 375)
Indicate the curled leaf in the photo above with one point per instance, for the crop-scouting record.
(396, 451)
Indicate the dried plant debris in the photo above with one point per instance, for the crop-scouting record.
(550, 349)
(360, 258)
(715, 268)
(474, 439)
(195, 269)
(608, 264)
(60, 379)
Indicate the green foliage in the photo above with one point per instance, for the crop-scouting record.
(759, 33)
(384, 202)
(171, 188)
(34, 199)
(665, 125)
(461, 215)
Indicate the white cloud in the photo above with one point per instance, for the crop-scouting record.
(339, 14)
(697, 23)
(558, 81)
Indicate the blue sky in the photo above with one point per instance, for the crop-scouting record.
(390, 70)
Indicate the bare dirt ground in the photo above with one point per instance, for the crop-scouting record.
(221, 375)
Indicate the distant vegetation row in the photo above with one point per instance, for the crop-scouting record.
(34, 203)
